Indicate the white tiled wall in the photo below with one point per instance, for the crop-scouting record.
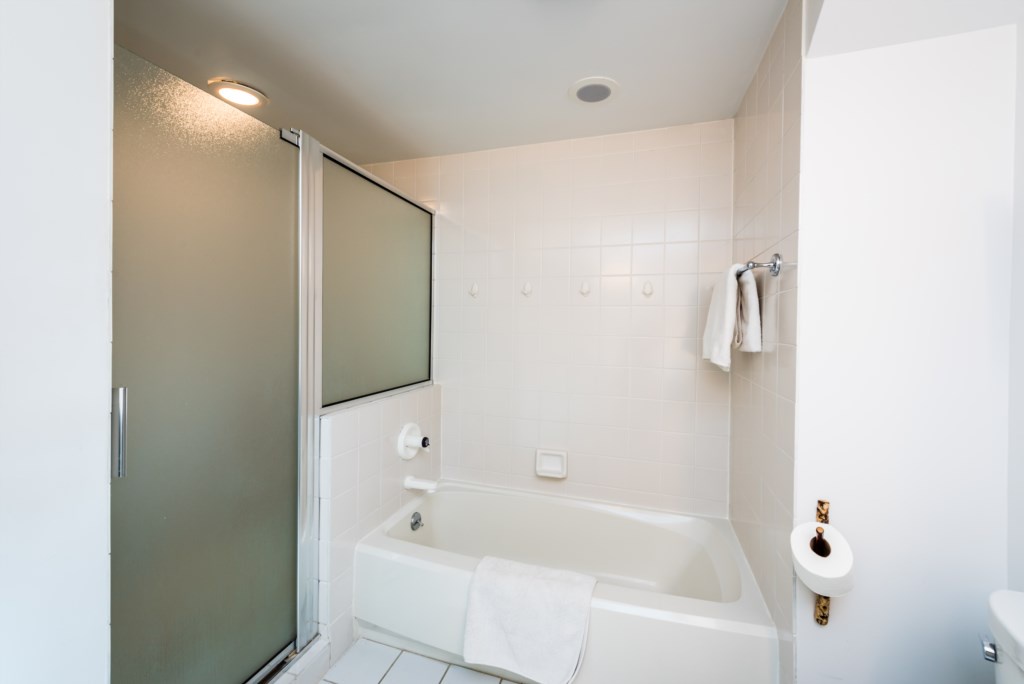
(361, 484)
(561, 347)
(761, 440)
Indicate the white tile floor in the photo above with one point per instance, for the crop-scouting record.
(368, 662)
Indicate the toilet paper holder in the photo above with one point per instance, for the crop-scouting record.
(822, 604)
(823, 560)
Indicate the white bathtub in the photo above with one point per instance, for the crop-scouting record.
(675, 600)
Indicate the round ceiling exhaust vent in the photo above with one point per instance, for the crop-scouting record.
(593, 89)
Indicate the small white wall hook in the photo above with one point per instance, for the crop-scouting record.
(585, 288)
(648, 289)
(474, 290)
(527, 289)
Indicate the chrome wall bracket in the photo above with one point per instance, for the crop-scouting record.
(290, 135)
(774, 266)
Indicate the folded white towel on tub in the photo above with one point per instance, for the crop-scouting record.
(528, 619)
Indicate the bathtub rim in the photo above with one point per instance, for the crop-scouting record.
(747, 615)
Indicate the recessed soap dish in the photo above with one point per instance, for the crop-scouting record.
(552, 463)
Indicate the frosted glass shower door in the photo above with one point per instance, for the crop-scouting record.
(376, 287)
(205, 339)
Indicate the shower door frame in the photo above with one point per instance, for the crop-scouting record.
(311, 408)
(317, 152)
(308, 537)
(307, 557)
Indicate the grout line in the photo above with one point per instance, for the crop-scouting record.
(385, 675)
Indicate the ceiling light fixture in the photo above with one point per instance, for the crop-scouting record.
(237, 93)
(594, 89)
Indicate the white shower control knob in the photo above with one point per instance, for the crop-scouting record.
(527, 289)
(585, 289)
(410, 440)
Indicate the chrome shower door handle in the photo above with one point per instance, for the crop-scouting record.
(118, 431)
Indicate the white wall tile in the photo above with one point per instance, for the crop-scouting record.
(682, 226)
(615, 260)
(608, 372)
(648, 259)
(741, 438)
(360, 486)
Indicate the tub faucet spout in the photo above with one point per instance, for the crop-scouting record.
(416, 484)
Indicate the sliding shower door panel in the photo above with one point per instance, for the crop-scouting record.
(205, 333)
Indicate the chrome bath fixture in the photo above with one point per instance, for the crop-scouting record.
(774, 266)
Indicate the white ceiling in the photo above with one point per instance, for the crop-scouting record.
(380, 80)
(840, 26)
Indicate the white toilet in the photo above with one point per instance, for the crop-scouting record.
(1006, 620)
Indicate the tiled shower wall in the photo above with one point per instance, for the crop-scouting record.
(361, 478)
(766, 199)
(571, 281)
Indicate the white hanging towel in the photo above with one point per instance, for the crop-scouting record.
(528, 619)
(748, 315)
(721, 326)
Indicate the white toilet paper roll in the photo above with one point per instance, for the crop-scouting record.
(828, 576)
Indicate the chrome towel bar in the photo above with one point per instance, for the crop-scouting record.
(774, 266)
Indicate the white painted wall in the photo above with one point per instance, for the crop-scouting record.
(840, 26)
(902, 380)
(1015, 468)
(55, 227)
